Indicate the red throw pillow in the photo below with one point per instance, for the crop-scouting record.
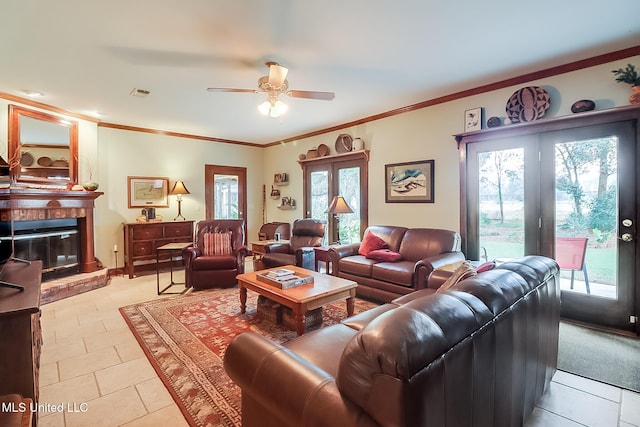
(490, 265)
(386, 255)
(371, 242)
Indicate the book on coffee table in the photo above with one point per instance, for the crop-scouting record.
(282, 280)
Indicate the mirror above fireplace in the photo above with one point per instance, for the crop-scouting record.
(43, 149)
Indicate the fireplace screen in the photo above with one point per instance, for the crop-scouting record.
(54, 242)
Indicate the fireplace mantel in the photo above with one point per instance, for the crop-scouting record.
(41, 204)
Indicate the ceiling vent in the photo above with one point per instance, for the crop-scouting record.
(140, 93)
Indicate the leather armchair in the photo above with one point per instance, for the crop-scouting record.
(215, 271)
(306, 234)
(268, 231)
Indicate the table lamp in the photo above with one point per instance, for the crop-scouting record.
(338, 206)
(178, 190)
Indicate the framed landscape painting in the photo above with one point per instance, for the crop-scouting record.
(148, 192)
(410, 182)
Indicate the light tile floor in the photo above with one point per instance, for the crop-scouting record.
(92, 365)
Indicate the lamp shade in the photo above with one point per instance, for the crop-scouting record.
(179, 188)
(339, 206)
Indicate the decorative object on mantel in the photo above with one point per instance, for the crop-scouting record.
(312, 154)
(357, 144)
(343, 143)
(528, 104)
(302, 156)
(473, 119)
(323, 150)
(90, 186)
(583, 105)
(494, 122)
(630, 76)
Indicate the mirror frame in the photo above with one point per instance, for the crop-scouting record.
(15, 144)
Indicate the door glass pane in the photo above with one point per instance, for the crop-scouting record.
(501, 204)
(226, 196)
(319, 200)
(349, 188)
(586, 207)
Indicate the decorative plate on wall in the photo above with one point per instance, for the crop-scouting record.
(528, 104)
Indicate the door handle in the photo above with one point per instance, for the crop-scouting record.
(627, 237)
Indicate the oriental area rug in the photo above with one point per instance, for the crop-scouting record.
(185, 337)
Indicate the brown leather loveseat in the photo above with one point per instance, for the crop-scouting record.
(421, 250)
(481, 353)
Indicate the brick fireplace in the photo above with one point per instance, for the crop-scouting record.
(27, 204)
(50, 206)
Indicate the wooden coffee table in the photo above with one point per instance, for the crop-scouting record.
(325, 289)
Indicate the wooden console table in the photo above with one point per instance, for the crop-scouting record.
(141, 239)
(20, 333)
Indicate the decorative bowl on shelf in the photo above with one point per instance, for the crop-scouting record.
(44, 161)
(90, 186)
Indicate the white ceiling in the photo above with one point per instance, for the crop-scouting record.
(376, 55)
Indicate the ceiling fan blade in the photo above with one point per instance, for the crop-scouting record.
(277, 75)
(325, 96)
(227, 89)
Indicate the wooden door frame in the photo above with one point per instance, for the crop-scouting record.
(330, 162)
(241, 172)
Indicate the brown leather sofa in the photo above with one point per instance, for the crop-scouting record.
(305, 235)
(481, 353)
(422, 249)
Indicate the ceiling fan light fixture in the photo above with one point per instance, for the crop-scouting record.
(273, 108)
(278, 109)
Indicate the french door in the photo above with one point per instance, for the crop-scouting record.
(325, 180)
(568, 194)
(225, 192)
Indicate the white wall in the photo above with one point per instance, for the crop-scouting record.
(428, 134)
(125, 153)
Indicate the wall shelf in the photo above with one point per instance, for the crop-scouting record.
(351, 155)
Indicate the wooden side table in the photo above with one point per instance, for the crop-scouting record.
(257, 248)
(322, 255)
(170, 248)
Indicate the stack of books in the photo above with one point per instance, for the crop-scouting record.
(284, 278)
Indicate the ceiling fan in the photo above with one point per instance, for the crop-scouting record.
(274, 85)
